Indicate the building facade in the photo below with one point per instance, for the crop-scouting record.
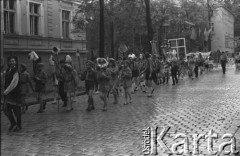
(222, 30)
(40, 25)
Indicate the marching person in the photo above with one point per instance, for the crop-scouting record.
(196, 66)
(24, 83)
(40, 80)
(53, 66)
(155, 67)
(201, 63)
(161, 71)
(59, 73)
(223, 59)
(148, 74)
(70, 83)
(142, 66)
(174, 70)
(89, 76)
(191, 65)
(114, 81)
(167, 68)
(104, 77)
(12, 103)
(126, 75)
(135, 72)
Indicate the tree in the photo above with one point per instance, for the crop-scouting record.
(149, 25)
(101, 29)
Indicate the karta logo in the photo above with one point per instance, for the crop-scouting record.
(152, 140)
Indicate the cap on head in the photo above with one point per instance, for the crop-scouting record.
(68, 59)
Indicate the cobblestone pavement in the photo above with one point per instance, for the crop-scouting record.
(192, 107)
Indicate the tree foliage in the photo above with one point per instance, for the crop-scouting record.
(169, 20)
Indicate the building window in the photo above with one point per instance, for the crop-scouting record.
(9, 7)
(34, 18)
(65, 23)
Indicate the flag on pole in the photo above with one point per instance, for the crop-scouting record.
(194, 34)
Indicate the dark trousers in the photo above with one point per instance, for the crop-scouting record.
(196, 71)
(11, 111)
(174, 76)
(61, 92)
(223, 63)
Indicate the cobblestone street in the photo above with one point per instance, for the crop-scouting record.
(192, 107)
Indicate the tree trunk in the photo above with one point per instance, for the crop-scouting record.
(149, 25)
(112, 39)
(112, 29)
(101, 29)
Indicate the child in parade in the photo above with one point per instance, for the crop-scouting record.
(161, 71)
(104, 77)
(114, 81)
(174, 70)
(201, 63)
(60, 73)
(89, 76)
(40, 80)
(191, 66)
(167, 68)
(142, 66)
(24, 82)
(148, 74)
(126, 75)
(70, 81)
(135, 72)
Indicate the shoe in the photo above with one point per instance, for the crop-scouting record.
(69, 110)
(149, 96)
(40, 111)
(17, 128)
(11, 128)
(104, 109)
(88, 109)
